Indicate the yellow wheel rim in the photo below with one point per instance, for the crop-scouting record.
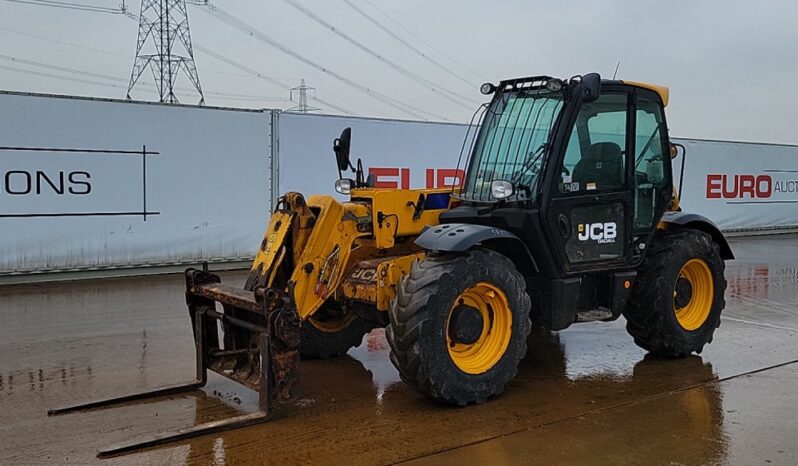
(497, 321)
(692, 314)
(333, 325)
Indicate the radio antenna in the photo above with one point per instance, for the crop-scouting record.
(617, 65)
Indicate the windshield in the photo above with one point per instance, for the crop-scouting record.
(512, 141)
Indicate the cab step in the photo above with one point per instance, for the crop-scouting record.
(594, 315)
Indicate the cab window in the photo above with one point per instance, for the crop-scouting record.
(651, 157)
(595, 156)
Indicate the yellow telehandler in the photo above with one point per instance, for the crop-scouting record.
(567, 214)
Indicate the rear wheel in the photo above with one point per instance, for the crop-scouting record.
(675, 306)
(459, 325)
(330, 333)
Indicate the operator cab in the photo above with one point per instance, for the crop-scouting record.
(575, 176)
(579, 170)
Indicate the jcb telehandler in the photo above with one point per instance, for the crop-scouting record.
(567, 213)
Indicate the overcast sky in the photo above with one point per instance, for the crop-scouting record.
(729, 63)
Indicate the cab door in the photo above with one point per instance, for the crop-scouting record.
(591, 204)
(653, 173)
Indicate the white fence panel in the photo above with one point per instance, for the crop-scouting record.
(206, 194)
(207, 189)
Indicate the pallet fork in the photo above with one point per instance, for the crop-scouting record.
(260, 350)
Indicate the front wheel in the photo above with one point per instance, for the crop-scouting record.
(674, 308)
(459, 325)
(330, 332)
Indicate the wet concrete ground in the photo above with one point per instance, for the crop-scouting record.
(583, 395)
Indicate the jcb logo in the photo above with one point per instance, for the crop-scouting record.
(599, 232)
(363, 275)
(270, 243)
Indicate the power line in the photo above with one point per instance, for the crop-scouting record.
(115, 86)
(56, 41)
(65, 78)
(233, 21)
(241, 26)
(105, 52)
(248, 70)
(135, 17)
(64, 69)
(408, 44)
(269, 79)
(68, 6)
(442, 53)
(445, 93)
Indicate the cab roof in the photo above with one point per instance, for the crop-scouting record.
(663, 91)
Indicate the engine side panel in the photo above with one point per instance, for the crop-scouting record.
(374, 281)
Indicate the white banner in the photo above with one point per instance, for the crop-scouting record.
(741, 186)
(78, 190)
(404, 154)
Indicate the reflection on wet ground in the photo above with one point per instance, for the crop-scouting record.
(584, 395)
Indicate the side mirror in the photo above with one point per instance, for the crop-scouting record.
(590, 87)
(341, 149)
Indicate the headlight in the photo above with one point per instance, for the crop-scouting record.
(554, 85)
(501, 189)
(343, 186)
(487, 88)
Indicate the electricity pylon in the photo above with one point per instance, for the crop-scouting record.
(302, 104)
(164, 46)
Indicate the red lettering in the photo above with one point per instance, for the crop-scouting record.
(729, 193)
(430, 178)
(405, 178)
(379, 172)
(747, 186)
(767, 181)
(713, 186)
(456, 177)
(392, 177)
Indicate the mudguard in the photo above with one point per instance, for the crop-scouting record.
(701, 223)
(459, 236)
(456, 237)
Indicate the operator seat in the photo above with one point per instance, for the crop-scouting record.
(602, 165)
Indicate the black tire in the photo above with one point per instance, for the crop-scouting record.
(419, 317)
(650, 311)
(329, 336)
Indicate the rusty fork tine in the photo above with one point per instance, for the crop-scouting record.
(198, 382)
(183, 434)
(158, 392)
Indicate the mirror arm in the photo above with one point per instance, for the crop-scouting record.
(359, 181)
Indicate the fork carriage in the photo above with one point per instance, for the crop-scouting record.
(259, 349)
